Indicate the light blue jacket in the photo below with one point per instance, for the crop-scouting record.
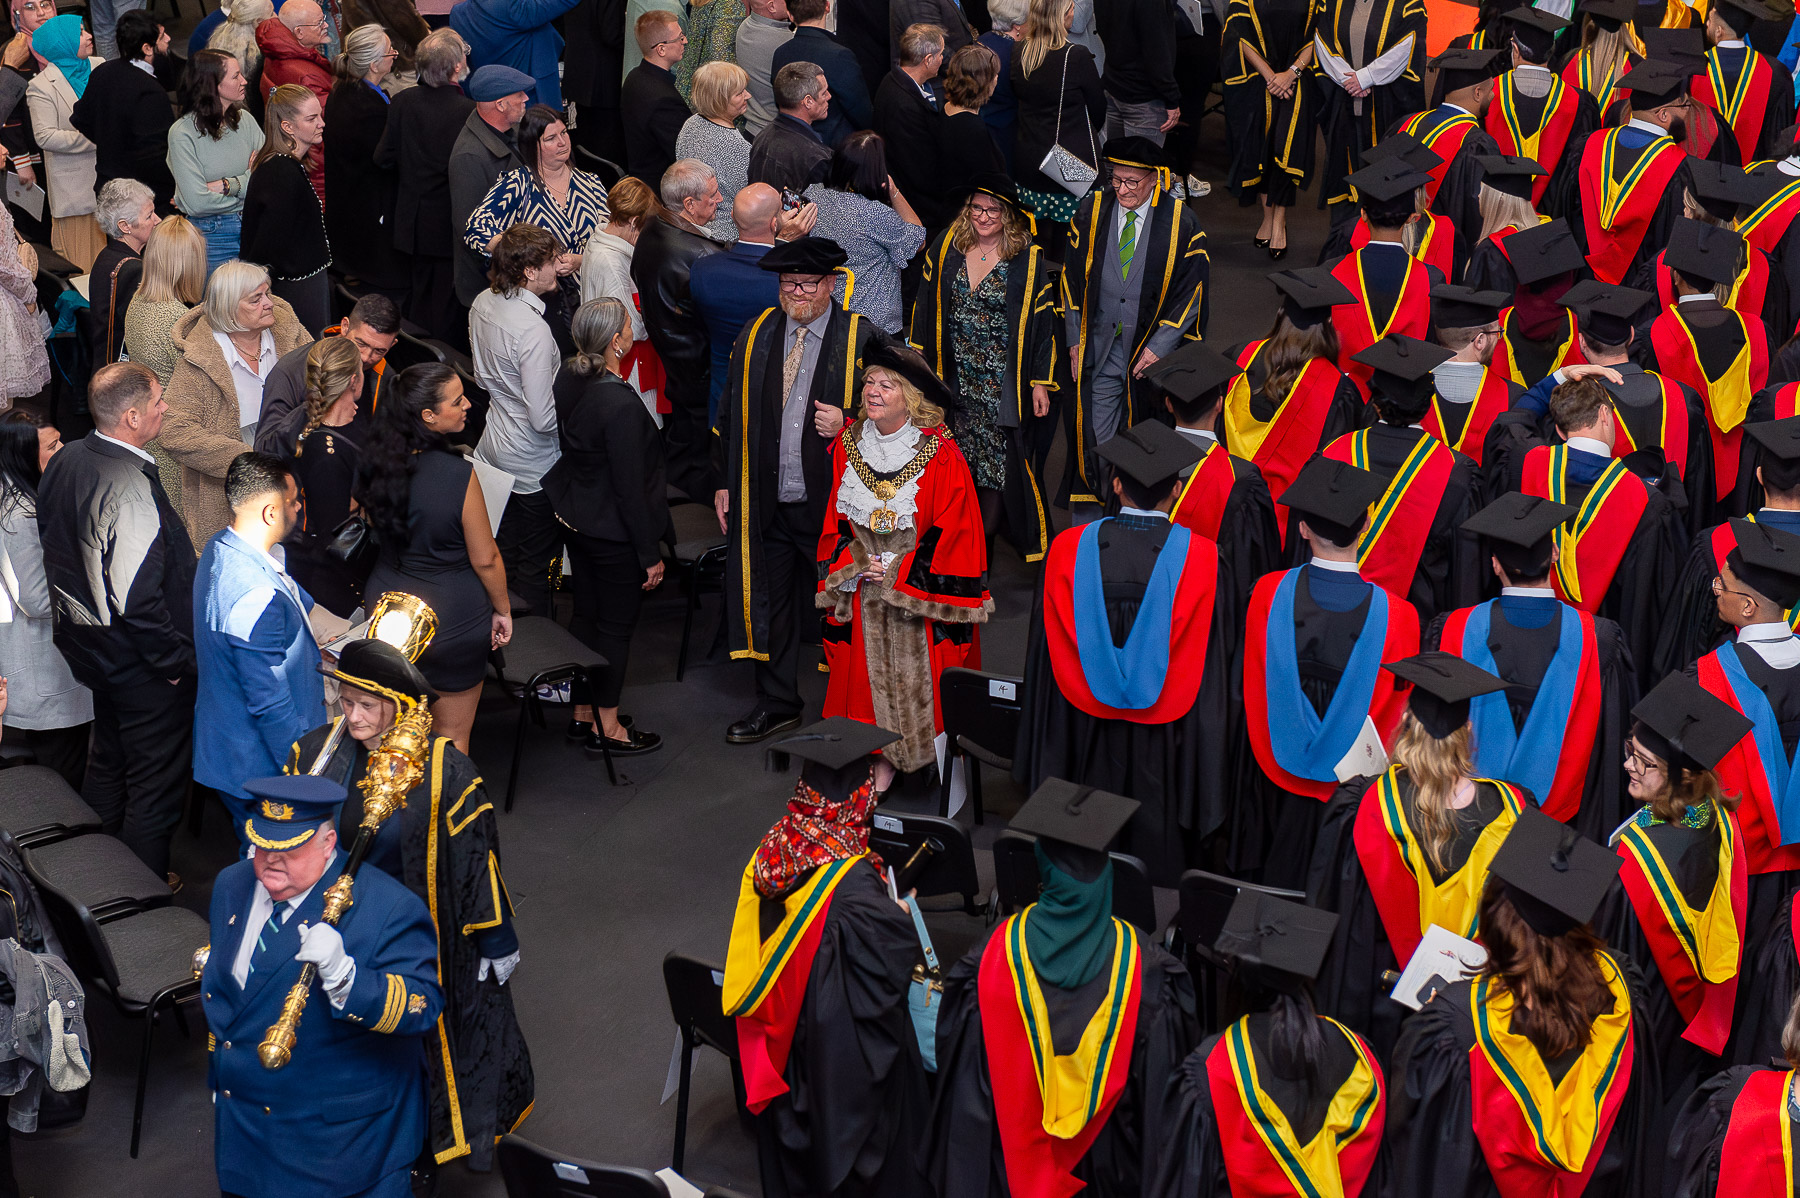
(260, 687)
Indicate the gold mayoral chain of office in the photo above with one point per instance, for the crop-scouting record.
(883, 520)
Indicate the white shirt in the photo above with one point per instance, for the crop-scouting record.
(516, 360)
(1589, 445)
(1206, 437)
(1458, 382)
(1149, 513)
(261, 907)
(1789, 166)
(127, 445)
(1143, 219)
(1698, 295)
(247, 382)
(1529, 592)
(1774, 642)
(1325, 563)
(1647, 127)
(1736, 43)
(144, 66)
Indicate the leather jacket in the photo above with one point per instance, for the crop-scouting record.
(665, 253)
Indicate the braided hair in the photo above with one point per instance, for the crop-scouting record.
(333, 366)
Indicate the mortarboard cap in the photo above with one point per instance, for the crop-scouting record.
(1673, 47)
(1544, 252)
(1075, 815)
(380, 669)
(1741, 14)
(1554, 875)
(1686, 725)
(1464, 67)
(1388, 180)
(1703, 252)
(1192, 371)
(804, 256)
(1150, 452)
(1778, 437)
(496, 81)
(1443, 684)
(1132, 150)
(286, 811)
(891, 353)
(1403, 147)
(1521, 531)
(1335, 492)
(1609, 14)
(1454, 307)
(1721, 188)
(1403, 366)
(1510, 173)
(1535, 30)
(1309, 294)
(834, 754)
(1275, 936)
(1606, 311)
(1656, 83)
(1767, 561)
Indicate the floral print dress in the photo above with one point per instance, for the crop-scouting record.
(980, 334)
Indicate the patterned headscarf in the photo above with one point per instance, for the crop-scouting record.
(814, 832)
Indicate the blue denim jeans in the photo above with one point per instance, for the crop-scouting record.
(221, 233)
(105, 15)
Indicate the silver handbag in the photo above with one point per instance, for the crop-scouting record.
(1065, 169)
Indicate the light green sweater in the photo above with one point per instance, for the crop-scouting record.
(196, 160)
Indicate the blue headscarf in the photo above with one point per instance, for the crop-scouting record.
(59, 40)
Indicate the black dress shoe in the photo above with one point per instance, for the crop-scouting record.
(635, 744)
(579, 731)
(1261, 243)
(760, 725)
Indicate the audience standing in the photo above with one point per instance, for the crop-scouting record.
(125, 111)
(945, 14)
(360, 222)
(126, 210)
(759, 35)
(68, 156)
(326, 464)
(47, 709)
(732, 289)
(1142, 97)
(516, 34)
(851, 108)
(174, 280)
(373, 327)
(24, 362)
(284, 223)
(291, 42)
(968, 151)
(862, 208)
(422, 498)
(610, 503)
(1061, 103)
(606, 271)
(485, 149)
(909, 121)
(657, 111)
(210, 149)
(711, 27)
(228, 347)
(721, 95)
(399, 19)
(16, 137)
(1001, 110)
(593, 71)
(789, 154)
(236, 36)
(121, 568)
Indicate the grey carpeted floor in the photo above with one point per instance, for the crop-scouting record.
(607, 880)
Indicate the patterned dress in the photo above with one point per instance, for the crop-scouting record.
(979, 335)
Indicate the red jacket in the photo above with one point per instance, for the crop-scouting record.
(285, 60)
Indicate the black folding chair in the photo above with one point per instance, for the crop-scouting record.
(533, 1172)
(981, 724)
(142, 963)
(936, 850)
(543, 652)
(699, 551)
(1205, 902)
(38, 806)
(101, 874)
(1016, 882)
(697, 1001)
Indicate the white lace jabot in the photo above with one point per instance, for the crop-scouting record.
(884, 455)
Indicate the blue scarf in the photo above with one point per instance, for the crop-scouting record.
(1129, 678)
(1784, 779)
(1527, 756)
(1305, 745)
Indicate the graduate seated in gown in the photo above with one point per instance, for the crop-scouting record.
(1452, 130)
(1409, 847)
(817, 977)
(1390, 289)
(1061, 1031)
(1467, 395)
(1759, 1033)
(1414, 544)
(1769, 224)
(1224, 497)
(1284, 1100)
(1693, 627)
(1533, 112)
(1736, 1133)
(1681, 903)
(1128, 662)
(1559, 730)
(1318, 708)
(1608, 48)
(1535, 1078)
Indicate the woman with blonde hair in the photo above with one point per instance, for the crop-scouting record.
(325, 464)
(985, 319)
(284, 223)
(606, 273)
(902, 556)
(721, 96)
(1506, 208)
(1409, 847)
(174, 280)
(1610, 47)
(1060, 103)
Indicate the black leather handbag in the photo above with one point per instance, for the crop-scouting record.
(353, 544)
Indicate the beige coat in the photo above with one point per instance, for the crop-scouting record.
(68, 156)
(201, 428)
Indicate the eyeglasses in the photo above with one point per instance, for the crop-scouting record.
(679, 39)
(990, 210)
(1636, 761)
(33, 6)
(1719, 588)
(1129, 183)
(802, 286)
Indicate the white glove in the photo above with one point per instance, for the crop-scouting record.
(502, 968)
(321, 944)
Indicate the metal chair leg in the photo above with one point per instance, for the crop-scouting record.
(181, 1021)
(687, 624)
(974, 767)
(512, 777)
(681, 1099)
(137, 1110)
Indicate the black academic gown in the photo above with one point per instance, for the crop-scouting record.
(444, 844)
(1490, 270)
(1691, 626)
(1692, 1168)
(1782, 242)
(1248, 538)
(1773, 963)
(1351, 126)
(857, 1093)
(1777, 114)
(962, 1154)
(1564, 197)
(1177, 770)
(1349, 985)
(1521, 657)
(1431, 1148)
(1450, 569)
(1458, 194)
(1531, 111)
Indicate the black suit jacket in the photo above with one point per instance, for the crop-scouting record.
(126, 114)
(422, 126)
(119, 565)
(360, 219)
(914, 132)
(851, 108)
(609, 482)
(659, 267)
(656, 113)
(112, 282)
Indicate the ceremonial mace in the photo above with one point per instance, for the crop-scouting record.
(396, 765)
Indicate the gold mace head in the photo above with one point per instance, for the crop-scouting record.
(337, 899)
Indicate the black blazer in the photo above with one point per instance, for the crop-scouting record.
(112, 282)
(359, 210)
(966, 151)
(594, 54)
(914, 133)
(665, 254)
(609, 483)
(284, 228)
(657, 113)
(851, 108)
(422, 126)
(126, 114)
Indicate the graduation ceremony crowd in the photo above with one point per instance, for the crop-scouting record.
(1435, 651)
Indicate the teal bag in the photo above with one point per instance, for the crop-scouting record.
(925, 998)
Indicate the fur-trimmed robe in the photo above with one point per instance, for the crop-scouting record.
(933, 594)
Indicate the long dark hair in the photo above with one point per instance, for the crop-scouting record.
(200, 93)
(19, 473)
(538, 118)
(400, 433)
(860, 165)
(1290, 348)
(1556, 982)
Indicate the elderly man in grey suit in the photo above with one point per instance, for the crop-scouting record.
(1134, 286)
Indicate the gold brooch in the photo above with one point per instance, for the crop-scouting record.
(415, 1003)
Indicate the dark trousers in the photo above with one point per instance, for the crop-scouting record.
(64, 750)
(142, 760)
(687, 428)
(309, 297)
(1196, 68)
(790, 541)
(432, 304)
(609, 591)
(529, 538)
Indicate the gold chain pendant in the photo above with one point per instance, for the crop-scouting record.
(883, 521)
